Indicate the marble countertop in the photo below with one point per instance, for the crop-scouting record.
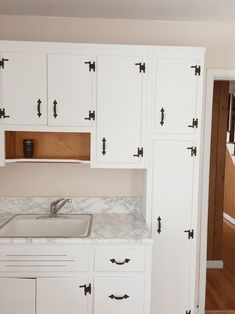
(113, 227)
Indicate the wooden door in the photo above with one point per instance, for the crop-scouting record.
(17, 295)
(70, 90)
(24, 89)
(61, 296)
(119, 111)
(173, 273)
(176, 96)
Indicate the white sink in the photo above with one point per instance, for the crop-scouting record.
(43, 226)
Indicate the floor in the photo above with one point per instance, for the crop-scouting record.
(220, 290)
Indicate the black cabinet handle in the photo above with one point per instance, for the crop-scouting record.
(103, 145)
(127, 260)
(55, 109)
(119, 298)
(159, 229)
(39, 107)
(162, 116)
(3, 114)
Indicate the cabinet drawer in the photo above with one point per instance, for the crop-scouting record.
(119, 295)
(43, 259)
(121, 259)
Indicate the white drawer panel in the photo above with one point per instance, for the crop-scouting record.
(120, 259)
(119, 295)
(41, 259)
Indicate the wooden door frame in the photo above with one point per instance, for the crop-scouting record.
(212, 75)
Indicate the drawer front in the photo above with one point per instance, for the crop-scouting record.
(120, 259)
(119, 295)
(43, 259)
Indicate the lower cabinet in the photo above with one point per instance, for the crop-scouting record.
(62, 295)
(75, 280)
(115, 295)
(17, 295)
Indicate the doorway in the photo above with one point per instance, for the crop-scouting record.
(218, 253)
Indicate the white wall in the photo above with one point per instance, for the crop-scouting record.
(78, 180)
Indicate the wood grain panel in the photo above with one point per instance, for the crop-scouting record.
(229, 186)
(217, 169)
(50, 145)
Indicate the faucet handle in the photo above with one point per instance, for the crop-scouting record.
(57, 201)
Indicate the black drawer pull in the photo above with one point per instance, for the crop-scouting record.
(39, 107)
(103, 146)
(119, 298)
(55, 109)
(127, 260)
(162, 116)
(159, 229)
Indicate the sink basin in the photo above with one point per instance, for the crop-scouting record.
(42, 226)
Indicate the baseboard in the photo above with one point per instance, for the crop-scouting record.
(215, 264)
(229, 218)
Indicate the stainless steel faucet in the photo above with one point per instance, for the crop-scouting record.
(57, 205)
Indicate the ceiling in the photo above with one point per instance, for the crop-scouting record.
(179, 10)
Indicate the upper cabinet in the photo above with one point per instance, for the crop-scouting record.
(177, 93)
(120, 118)
(41, 89)
(70, 90)
(23, 88)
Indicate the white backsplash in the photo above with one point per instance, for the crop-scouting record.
(91, 205)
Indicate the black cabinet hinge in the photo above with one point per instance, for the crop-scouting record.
(87, 289)
(140, 152)
(193, 150)
(190, 233)
(3, 114)
(2, 62)
(197, 69)
(91, 115)
(91, 65)
(141, 66)
(188, 312)
(194, 124)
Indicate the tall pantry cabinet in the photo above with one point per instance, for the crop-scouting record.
(174, 177)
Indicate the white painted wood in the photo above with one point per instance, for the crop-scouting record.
(119, 110)
(119, 259)
(176, 92)
(23, 84)
(70, 83)
(173, 184)
(72, 161)
(119, 287)
(43, 259)
(61, 296)
(17, 295)
(2, 148)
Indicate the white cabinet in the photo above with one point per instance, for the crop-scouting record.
(177, 95)
(40, 89)
(119, 295)
(17, 295)
(120, 122)
(24, 88)
(173, 194)
(70, 89)
(62, 296)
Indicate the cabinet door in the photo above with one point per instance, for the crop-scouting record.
(70, 90)
(61, 296)
(24, 90)
(17, 296)
(173, 213)
(119, 295)
(119, 110)
(177, 95)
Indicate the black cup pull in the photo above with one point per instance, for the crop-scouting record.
(39, 107)
(55, 109)
(127, 260)
(103, 145)
(162, 116)
(159, 229)
(112, 296)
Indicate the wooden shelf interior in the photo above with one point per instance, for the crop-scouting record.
(49, 145)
